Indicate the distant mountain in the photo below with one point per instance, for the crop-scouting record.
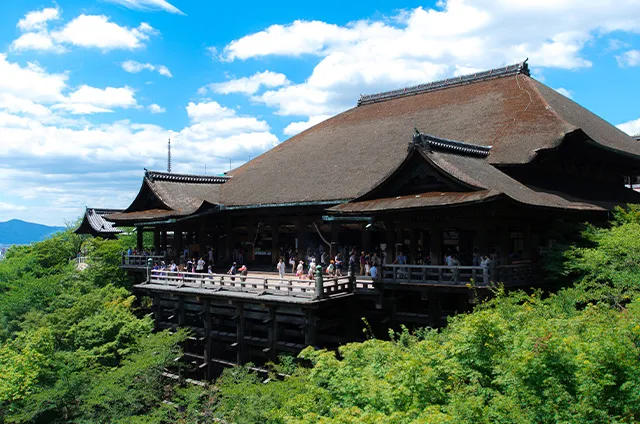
(16, 231)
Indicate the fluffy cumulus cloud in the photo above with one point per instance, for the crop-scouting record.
(422, 44)
(248, 85)
(134, 67)
(37, 19)
(89, 31)
(148, 5)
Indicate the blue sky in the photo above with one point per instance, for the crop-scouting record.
(90, 91)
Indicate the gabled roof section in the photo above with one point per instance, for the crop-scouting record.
(94, 223)
(518, 68)
(463, 164)
(165, 195)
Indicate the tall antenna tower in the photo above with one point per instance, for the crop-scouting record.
(169, 156)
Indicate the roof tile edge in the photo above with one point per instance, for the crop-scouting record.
(185, 178)
(518, 68)
(437, 143)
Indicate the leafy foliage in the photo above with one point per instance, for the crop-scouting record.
(73, 350)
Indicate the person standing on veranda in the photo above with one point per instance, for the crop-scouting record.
(281, 268)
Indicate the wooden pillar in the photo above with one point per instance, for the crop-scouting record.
(179, 244)
(272, 334)
(366, 238)
(301, 232)
(156, 239)
(228, 240)
(310, 323)
(482, 240)
(275, 243)
(202, 241)
(207, 338)
(139, 239)
(413, 245)
(435, 309)
(435, 244)
(240, 327)
(163, 239)
(527, 241)
(181, 312)
(252, 230)
(157, 312)
(505, 244)
(391, 241)
(335, 239)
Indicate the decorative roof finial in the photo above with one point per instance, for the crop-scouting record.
(169, 155)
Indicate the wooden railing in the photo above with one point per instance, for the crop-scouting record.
(459, 275)
(331, 286)
(139, 261)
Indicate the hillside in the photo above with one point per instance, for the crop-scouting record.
(16, 231)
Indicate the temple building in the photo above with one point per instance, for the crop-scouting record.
(486, 162)
(494, 164)
(94, 223)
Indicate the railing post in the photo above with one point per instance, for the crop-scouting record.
(320, 282)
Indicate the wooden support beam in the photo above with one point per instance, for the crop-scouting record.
(275, 242)
(157, 312)
(435, 244)
(240, 329)
(272, 334)
(181, 311)
(206, 304)
(139, 239)
(310, 328)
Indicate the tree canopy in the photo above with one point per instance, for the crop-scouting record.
(74, 349)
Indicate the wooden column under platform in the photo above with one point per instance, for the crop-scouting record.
(275, 243)
(139, 239)
(156, 239)
(435, 244)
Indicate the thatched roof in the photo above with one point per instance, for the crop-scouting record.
(349, 153)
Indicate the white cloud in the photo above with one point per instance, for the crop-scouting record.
(148, 5)
(13, 104)
(89, 31)
(31, 82)
(80, 108)
(631, 127)
(249, 85)
(206, 110)
(37, 19)
(4, 207)
(134, 67)
(565, 92)
(40, 41)
(107, 97)
(155, 108)
(297, 127)
(163, 70)
(97, 31)
(423, 44)
(629, 58)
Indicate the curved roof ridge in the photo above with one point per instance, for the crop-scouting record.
(430, 141)
(515, 69)
(185, 178)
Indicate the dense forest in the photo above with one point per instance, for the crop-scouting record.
(74, 348)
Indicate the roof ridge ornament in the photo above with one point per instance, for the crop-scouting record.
(185, 178)
(518, 68)
(430, 142)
